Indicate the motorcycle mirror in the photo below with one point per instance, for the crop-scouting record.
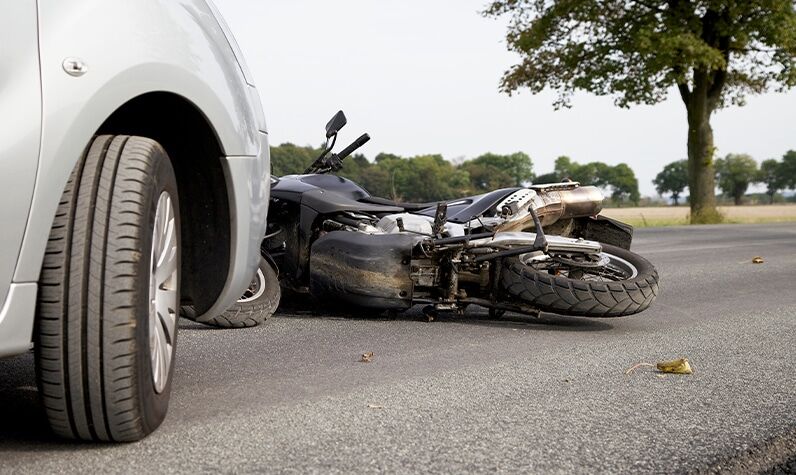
(337, 123)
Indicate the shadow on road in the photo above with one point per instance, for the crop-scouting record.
(473, 316)
(22, 418)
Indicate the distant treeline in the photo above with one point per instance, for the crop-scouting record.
(734, 174)
(431, 177)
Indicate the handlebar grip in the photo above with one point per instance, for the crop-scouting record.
(362, 140)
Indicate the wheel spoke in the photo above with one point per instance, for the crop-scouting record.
(611, 271)
(165, 351)
(163, 291)
(166, 313)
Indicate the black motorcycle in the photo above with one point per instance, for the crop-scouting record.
(526, 250)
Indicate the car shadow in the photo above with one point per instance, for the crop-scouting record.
(24, 424)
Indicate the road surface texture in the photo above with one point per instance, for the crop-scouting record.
(468, 394)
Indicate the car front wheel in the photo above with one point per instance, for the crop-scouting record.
(109, 294)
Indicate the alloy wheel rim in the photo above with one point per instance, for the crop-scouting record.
(163, 292)
(256, 288)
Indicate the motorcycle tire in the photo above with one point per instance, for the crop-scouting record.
(259, 302)
(578, 297)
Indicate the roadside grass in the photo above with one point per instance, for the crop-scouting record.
(678, 215)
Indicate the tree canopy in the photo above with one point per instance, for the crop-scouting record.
(736, 172)
(713, 51)
(491, 171)
(789, 169)
(672, 179)
(619, 180)
(420, 178)
(771, 174)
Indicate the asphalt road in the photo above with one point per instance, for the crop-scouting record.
(469, 394)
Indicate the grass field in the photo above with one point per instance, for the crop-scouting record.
(678, 215)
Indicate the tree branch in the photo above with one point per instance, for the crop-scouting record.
(719, 77)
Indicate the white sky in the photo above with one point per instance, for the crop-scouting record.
(421, 76)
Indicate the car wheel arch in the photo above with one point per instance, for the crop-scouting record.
(196, 152)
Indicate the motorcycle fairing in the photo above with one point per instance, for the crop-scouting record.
(362, 269)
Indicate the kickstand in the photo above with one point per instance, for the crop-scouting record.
(430, 312)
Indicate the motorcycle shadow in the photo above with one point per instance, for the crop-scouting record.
(474, 315)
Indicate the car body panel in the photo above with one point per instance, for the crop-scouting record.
(130, 49)
(20, 130)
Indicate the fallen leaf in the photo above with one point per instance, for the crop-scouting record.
(375, 406)
(679, 366)
(661, 376)
(757, 260)
(366, 357)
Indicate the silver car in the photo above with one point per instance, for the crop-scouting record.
(133, 169)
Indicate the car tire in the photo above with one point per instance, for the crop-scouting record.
(108, 299)
(255, 306)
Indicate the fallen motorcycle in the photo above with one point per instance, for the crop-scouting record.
(541, 248)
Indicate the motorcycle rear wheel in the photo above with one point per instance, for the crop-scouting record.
(626, 284)
(257, 303)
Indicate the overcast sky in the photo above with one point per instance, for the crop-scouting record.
(421, 76)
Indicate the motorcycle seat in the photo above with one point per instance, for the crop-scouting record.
(407, 206)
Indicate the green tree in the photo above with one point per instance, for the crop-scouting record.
(714, 51)
(620, 179)
(491, 171)
(388, 165)
(565, 168)
(672, 179)
(736, 172)
(429, 178)
(486, 177)
(771, 174)
(623, 183)
(287, 159)
(789, 169)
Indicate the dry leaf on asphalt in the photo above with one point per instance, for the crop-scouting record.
(757, 260)
(366, 357)
(679, 366)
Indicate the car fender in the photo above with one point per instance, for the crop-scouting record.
(129, 49)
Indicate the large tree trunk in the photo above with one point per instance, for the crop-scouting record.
(701, 175)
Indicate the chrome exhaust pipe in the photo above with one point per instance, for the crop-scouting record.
(552, 203)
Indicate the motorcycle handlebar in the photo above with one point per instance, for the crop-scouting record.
(362, 140)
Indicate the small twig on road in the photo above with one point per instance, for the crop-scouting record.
(638, 365)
